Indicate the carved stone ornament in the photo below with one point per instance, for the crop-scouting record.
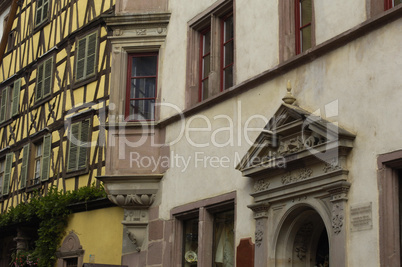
(259, 233)
(141, 31)
(290, 146)
(133, 200)
(303, 174)
(136, 235)
(260, 209)
(337, 218)
(71, 246)
(261, 185)
(331, 166)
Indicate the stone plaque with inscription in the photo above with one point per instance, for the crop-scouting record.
(361, 217)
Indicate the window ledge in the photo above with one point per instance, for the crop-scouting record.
(72, 174)
(6, 122)
(40, 27)
(130, 124)
(83, 82)
(42, 101)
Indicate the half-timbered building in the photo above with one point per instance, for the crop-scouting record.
(54, 91)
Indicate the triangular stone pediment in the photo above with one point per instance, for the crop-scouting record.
(293, 134)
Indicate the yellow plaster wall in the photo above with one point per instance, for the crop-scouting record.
(100, 233)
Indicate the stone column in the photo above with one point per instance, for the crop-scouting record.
(338, 249)
(22, 240)
(261, 236)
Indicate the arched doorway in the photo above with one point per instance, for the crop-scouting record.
(302, 240)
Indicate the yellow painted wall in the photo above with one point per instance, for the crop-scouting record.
(100, 233)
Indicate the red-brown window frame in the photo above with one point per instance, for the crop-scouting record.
(202, 57)
(388, 4)
(299, 27)
(223, 43)
(128, 87)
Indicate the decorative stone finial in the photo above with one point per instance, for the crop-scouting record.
(289, 98)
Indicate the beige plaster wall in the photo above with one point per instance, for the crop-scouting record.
(363, 77)
(335, 17)
(257, 31)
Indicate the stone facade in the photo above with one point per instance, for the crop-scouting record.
(310, 172)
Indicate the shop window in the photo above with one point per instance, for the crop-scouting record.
(211, 52)
(86, 57)
(142, 78)
(206, 233)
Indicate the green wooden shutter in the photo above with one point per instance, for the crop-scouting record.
(24, 167)
(47, 84)
(80, 68)
(91, 54)
(3, 108)
(7, 173)
(39, 82)
(46, 156)
(84, 139)
(16, 97)
(73, 147)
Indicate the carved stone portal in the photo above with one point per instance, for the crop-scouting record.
(298, 166)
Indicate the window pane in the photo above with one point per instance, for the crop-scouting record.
(223, 239)
(306, 12)
(204, 91)
(228, 29)
(73, 262)
(142, 88)
(228, 53)
(143, 66)
(397, 2)
(306, 38)
(206, 66)
(37, 168)
(142, 109)
(190, 242)
(206, 43)
(228, 77)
